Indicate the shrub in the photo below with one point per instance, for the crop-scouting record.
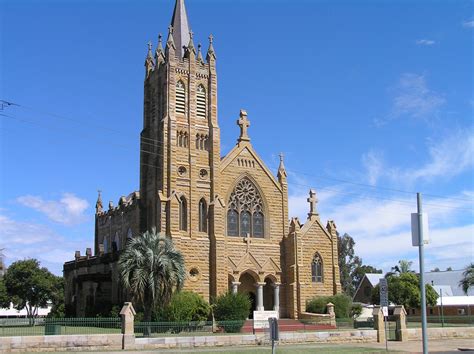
(186, 306)
(317, 305)
(342, 305)
(356, 310)
(231, 311)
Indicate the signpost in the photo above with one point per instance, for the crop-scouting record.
(274, 332)
(383, 285)
(419, 232)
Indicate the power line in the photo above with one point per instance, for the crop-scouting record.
(158, 143)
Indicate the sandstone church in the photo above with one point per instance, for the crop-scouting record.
(228, 215)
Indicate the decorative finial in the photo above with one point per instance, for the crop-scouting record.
(312, 200)
(243, 123)
(111, 205)
(210, 50)
(191, 34)
(170, 40)
(200, 58)
(190, 47)
(150, 47)
(170, 29)
(281, 169)
(98, 204)
(160, 47)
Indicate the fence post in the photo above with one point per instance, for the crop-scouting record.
(332, 314)
(128, 318)
(401, 318)
(379, 324)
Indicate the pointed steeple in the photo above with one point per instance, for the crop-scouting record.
(159, 55)
(149, 63)
(190, 48)
(281, 170)
(98, 204)
(200, 58)
(210, 51)
(180, 25)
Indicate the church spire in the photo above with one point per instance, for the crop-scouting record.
(281, 169)
(181, 27)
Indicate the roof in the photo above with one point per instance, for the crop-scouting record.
(373, 278)
(449, 278)
(456, 300)
(12, 312)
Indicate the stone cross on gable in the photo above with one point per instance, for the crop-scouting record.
(248, 240)
(312, 200)
(281, 156)
(243, 123)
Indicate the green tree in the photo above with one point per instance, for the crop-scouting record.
(29, 286)
(403, 266)
(468, 278)
(57, 298)
(404, 289)
(4, 298)
(348, 262)
(152, 269)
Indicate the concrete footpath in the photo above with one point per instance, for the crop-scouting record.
(435, 346)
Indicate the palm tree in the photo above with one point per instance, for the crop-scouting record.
(468, 278)
(403, 266)
(152, 269)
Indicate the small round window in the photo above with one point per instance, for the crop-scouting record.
(182, 170)
(194, 274)
(203, 173)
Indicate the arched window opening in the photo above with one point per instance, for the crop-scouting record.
(183, 214)
(116, 243)
(201, 102)
(232, 222)
(245, 214)
(180, 98)
(202, 215)
(317, 269)
(129, 234)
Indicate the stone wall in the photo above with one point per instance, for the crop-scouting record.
(442, 333)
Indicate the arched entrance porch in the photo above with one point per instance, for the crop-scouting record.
(247, 286)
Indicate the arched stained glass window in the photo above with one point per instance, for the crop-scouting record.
(183, 214)
(317, 269)
(232, 222)
(258, 224)
(202, 215)
(245, 214)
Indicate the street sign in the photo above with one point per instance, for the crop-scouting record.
(415, 232)
(383, 292)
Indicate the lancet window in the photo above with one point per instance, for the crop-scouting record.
(317, 269)
(183, 214)
(201, 102)
(180, 98)
(202, 215)
(245, 214)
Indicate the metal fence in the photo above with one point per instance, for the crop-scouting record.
(442, 321)
(55, 326)
(156, 329)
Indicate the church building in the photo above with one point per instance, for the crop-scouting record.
(228, 215)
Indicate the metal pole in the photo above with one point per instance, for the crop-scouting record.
(422, 277)
(385, 319)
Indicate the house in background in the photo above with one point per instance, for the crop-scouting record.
(363, 293)
(452, 300)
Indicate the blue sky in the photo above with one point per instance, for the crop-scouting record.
(375, 93)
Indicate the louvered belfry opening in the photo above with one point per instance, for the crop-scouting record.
(201, 101)
(180, 98)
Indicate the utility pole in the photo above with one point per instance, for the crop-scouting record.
(422, 272)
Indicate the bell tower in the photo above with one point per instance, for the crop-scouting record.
(180, 140)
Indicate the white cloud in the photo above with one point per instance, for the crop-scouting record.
(30, 240)
(426, 42)
(468, 24)
(413, 98)
(68, 210)
(373, 162)
(447, 158)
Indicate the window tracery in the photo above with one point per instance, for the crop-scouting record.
(245, 214)
(317, 269)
